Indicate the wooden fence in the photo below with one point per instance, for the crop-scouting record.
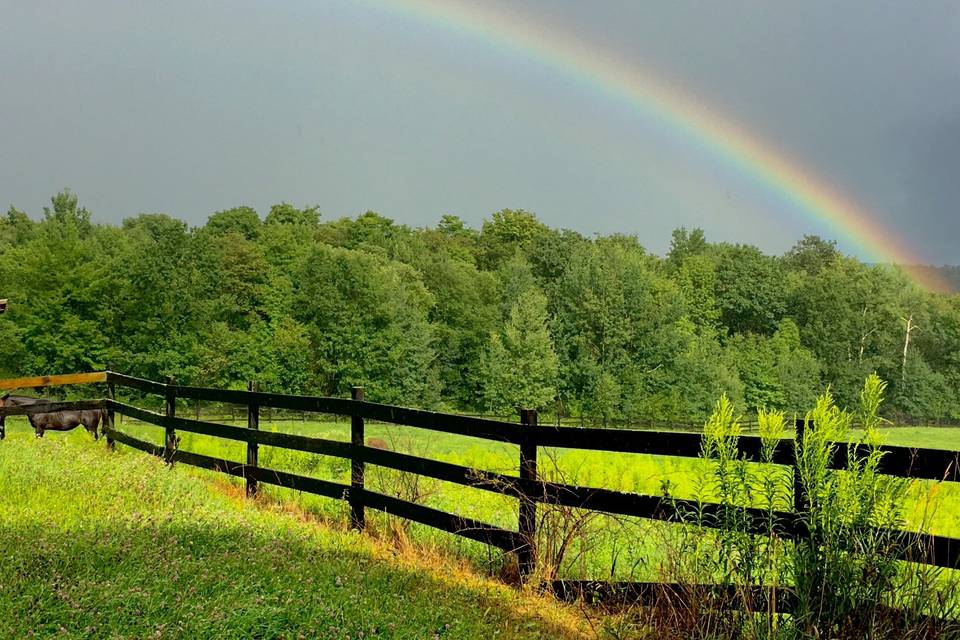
(528, 487)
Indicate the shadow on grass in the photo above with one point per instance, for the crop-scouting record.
(155, 579)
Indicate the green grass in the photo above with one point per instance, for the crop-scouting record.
(625, 548)
(95, 544)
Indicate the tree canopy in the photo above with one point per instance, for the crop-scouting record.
(514, 314)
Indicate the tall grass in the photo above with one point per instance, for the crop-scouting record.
(840, 573)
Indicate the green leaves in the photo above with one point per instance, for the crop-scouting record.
(521, 366)
(301, 304)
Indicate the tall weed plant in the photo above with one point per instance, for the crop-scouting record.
(836, 567)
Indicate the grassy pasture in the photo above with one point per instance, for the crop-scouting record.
(624, 548)
(101, 545)
(935, 506)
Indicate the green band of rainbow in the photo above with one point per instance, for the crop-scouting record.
(681, 115)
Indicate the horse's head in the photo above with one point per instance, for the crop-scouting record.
(3, 403)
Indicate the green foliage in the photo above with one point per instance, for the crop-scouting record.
(520, 370)
(842, 568)
(811, 256)
(240, 220)
(749, 290)
(301, 304)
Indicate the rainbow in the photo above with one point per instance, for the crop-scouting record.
(683, 116)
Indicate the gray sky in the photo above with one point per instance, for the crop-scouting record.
(187, 108)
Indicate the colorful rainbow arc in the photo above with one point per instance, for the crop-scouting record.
(681, 115)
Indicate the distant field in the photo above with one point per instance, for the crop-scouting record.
(630, 548)
(101, 545)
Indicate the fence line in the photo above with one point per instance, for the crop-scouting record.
(528, 487)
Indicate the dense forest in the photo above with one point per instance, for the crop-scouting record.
(512, 314)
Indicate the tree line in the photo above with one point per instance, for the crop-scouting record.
(487, 320)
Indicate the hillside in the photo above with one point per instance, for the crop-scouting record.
(951, 274)
(111, 545)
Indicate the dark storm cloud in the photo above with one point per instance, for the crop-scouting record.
(192, 107)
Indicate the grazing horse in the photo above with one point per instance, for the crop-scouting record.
(54, 420)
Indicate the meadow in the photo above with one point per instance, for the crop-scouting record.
(115, 545)
(603, 547)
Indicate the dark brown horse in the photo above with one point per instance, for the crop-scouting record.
(54, 420)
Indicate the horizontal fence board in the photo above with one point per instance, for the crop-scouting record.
(926, 548)
(906, 462)
(461, 526)
(148, 386)
(676, 596)
(316, 404)
(50, 381)
(675, 510)
(51, 407)
(241, 434)
(662, 443)
(448, 472)
(135, 443)
(446, 423)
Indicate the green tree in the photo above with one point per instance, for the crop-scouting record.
(521, 365)
(685, 244)
(749, 290)
(507, 231)
(240, 220)
(811, 255)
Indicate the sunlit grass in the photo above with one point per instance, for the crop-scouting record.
(115, 545)
(634, 543)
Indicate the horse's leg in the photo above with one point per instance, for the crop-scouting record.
(91, 420)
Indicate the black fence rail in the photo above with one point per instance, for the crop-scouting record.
(528, 486)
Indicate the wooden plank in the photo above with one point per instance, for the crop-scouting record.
(51, 381)
(663, 443)
(268, 476)
(51, 407)
(925, 548)
(170, 439)
(929, 549)
(135, 443)
(757, 521)
(446, 471)
(675, 596)
(465, 527)
(907, 462)
(898, 461)
(446, 423)
(357, 519)
(527, 513)
(241, 434)
(316, 404)
(253, 449)
(149, 386)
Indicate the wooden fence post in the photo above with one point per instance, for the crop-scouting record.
(253, 449)
(527, 554)
(170, 439)
(357, 519)
(108, 417)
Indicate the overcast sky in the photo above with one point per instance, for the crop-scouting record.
(191, 107)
